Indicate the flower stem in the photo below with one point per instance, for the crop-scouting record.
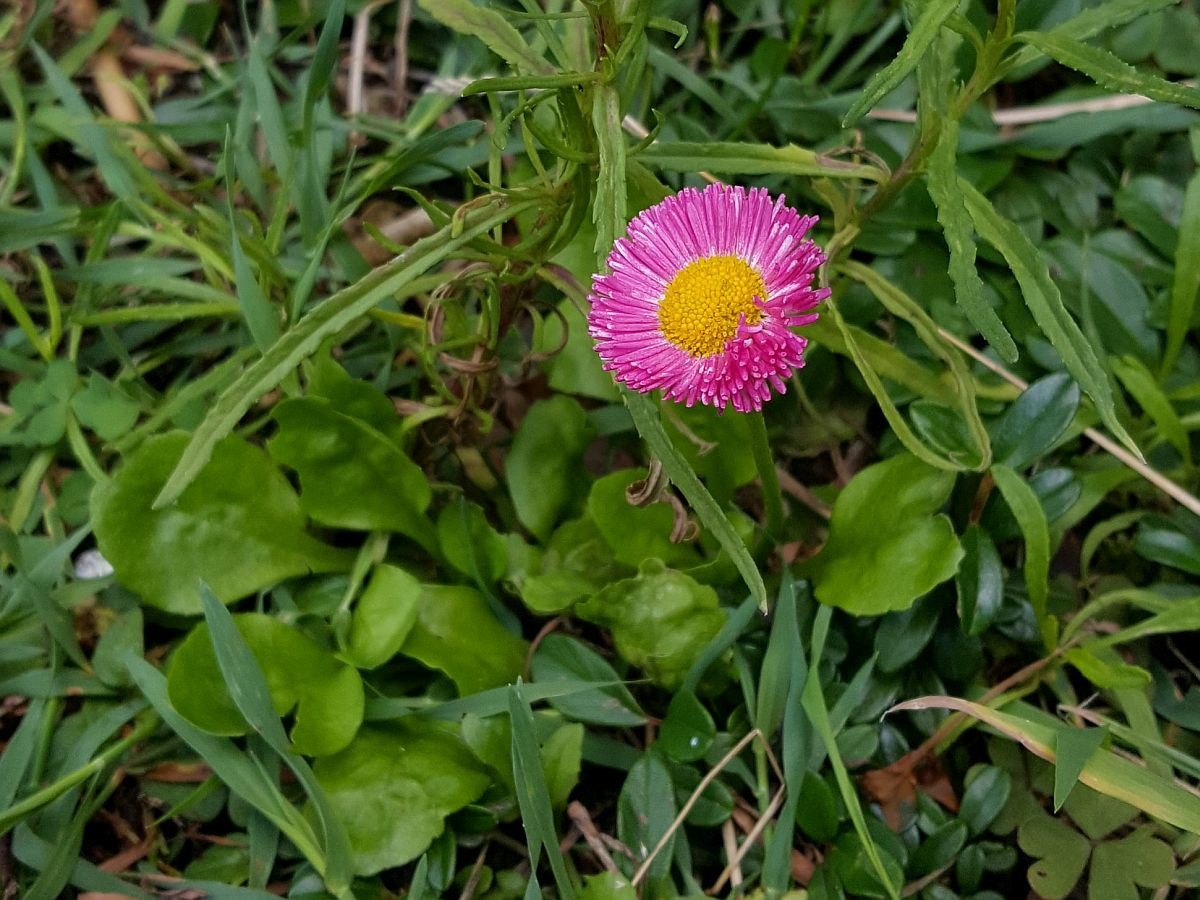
(760, 446)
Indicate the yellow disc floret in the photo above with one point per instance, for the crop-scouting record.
(705, 301)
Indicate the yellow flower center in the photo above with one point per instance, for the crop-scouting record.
(705, 300)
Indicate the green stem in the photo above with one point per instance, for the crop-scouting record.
(760, 446)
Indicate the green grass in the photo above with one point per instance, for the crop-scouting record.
(405, 597)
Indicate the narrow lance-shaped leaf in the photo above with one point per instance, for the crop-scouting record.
(326, 319)
(1109, 71)
(925, 29)
(1031, 518)
(960, 238)
(1045, 302)
(1186, 283)
(645, 418)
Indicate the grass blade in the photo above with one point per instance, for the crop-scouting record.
(1105, 772)
(532, 794)
(1045, 302)
(925, 29)
(813, 701)
(1140, 383)
(326, 319)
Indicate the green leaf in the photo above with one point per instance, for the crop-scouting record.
(543, 467)
(960, 238)
(1044, 300)
(560, 658)
(1164, 541)
(327, 695)
(1061, 853)
(576, 563)
(607, 885)
(491, 27)
(1105, 772)
(753, 159)
(326, 319)
(979, 582)
(888, 544)
(351, 476)
(645, 810)
(1072, 748)
(611, 196)
(635, 533)
(469, 542)
(646, 419)
(1105, 669)
(1038, 418)
(687, 732)
(238, 526)
(1140, 383)
(938, 850)
(1031, 518)
(1186, 282)
(1107, 70)
(986, 794)
(394, 785)
(1119, 867)
(661, 620)
(533, 795)
(383, 617)
(104, 408)
(456, 633)
(928, 22)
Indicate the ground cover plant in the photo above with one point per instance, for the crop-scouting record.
(335, 562)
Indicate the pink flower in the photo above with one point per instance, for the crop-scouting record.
(702, 295)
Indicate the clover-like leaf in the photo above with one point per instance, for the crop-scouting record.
(393, 787)
(1119, 867)
(888, 544)
(326, 694)
(238, 526)
(660, 620)
(1060, 854)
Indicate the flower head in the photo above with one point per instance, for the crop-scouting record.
(702, 295)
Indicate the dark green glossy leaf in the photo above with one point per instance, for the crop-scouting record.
(560, 658)
(1038, 418)
(979, 582)
(688, 730)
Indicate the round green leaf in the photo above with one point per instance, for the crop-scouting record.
(393, 787)
(887, 544)
(661, 620)
(238, 526)
(383, 617)
(635, 533)
(351, 475)
(543, 466)
(326, 694)
(456, 633)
